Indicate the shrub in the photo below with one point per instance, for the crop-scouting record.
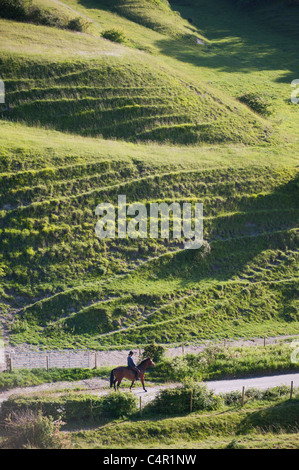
(175, 368)
(178, 400)
(119, 404)
(77, 24)
(24, 10)
(276, 392)
(18, 326)
(231, 398)
(155, 351)
(14, 9)
(114, 35)
(73, 408)
(234, 444)
(257, 103)
(254, 393)
(38, 15)
(29, 429)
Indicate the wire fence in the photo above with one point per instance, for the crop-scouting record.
(50, 359)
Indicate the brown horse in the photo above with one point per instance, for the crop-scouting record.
(125, 372)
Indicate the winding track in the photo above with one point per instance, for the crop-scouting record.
(98, 386)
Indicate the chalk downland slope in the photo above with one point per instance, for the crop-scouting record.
(66, 94)
(116, 93)
(70, 288)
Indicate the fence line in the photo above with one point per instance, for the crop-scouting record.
(50, 359)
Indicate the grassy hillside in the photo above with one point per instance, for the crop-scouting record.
(268, 420)
(255, 427)
(123, 94)
(245, 278)
(178, 132)
(154, 14)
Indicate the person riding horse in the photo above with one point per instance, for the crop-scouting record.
(132, 365)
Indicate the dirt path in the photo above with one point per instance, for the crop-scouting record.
(99, 386)
(262, 383)
(95, 386)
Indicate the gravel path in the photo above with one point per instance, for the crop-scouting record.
(222, 386)
(99, 386)
(93, 386)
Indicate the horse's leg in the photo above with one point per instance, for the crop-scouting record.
(142, 381)
(118, 383)
(114, 381)
(132, 384)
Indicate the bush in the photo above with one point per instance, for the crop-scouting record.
(231, 398)
(178, 400)
(24, 10)
(14, 9)
(257, 103)
(155, 351)
(175, 368)
(254, 394)
(234, 444)
(114, 35)
(73, 408)
(29, 429)
(276, 392)
(119, 404)
(77, 24)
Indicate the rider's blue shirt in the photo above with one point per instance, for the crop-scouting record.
(131, 363)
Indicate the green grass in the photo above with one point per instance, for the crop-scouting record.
(31, 377)
(214, 429)
(154, 14)
(112, 98)
(241, 226)
(178, 132)
(216, 363)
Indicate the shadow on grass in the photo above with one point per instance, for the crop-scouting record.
(229, 256)
(239, 43)
(277, 418)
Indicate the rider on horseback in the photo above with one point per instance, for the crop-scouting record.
(132, 365)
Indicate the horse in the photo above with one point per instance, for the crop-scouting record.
(125, 372)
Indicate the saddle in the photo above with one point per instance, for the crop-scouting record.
(136, 372)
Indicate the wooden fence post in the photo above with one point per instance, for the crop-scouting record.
(264, 341)
(243, 396)
(183, 349)
(47, 363)
(95, 360)
(292, 388)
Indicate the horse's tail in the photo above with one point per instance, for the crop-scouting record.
(112, 378)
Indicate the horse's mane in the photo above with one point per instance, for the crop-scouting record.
(142, 362)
